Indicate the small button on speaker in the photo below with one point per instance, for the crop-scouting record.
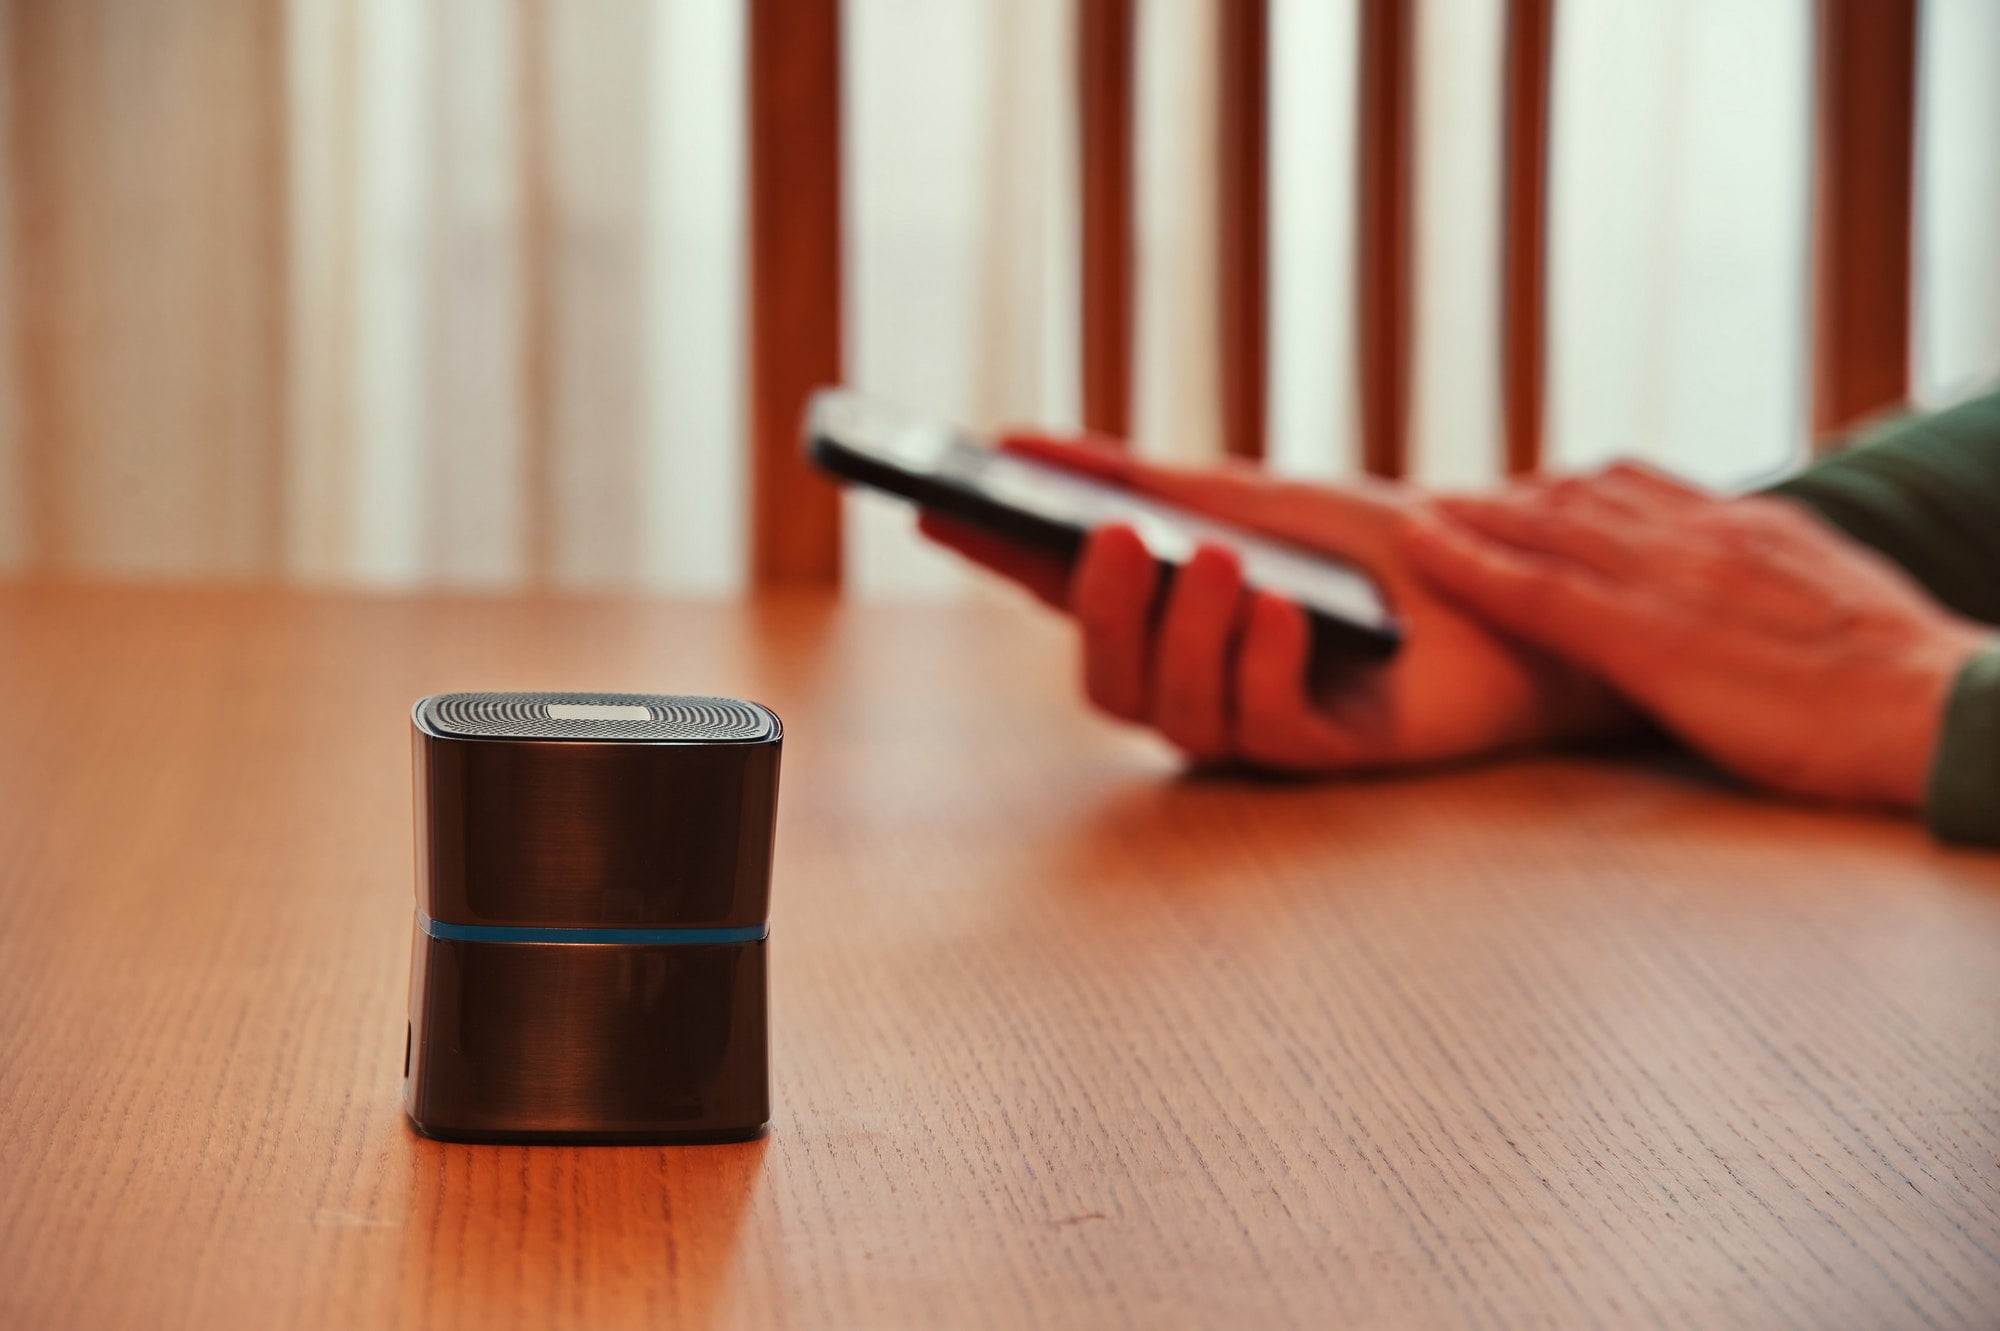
(593, 890)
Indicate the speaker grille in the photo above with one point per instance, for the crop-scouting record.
(670, 718)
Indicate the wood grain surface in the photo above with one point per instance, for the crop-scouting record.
(1061, 1038)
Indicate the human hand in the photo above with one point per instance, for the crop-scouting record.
(1754, 632)
(1222, 672)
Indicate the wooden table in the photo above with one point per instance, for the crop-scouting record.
(1062, 1039)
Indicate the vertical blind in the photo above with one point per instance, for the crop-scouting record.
(455, 292)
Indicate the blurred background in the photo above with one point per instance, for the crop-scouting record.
(480, 294)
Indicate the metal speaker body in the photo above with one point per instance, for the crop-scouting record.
(593, 890)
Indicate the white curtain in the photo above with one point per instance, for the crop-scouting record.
(1313, 427)
(1679, 219)
(516, 311)
(1957, 317)
(962, 237)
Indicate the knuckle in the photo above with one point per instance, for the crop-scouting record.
(1568, 490)
(1715, 527)
(1709, 576)
(1533, 593)
(1781, 518)
(1633, 470)
(1564, 529)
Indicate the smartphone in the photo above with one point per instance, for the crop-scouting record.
(954, 474)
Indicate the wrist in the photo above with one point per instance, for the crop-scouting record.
(1962, 800)
(1911, 747)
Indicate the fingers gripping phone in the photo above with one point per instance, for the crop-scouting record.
(955, 475)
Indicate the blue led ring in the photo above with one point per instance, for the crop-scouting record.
(535, 933)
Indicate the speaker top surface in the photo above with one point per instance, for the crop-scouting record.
(619, 718)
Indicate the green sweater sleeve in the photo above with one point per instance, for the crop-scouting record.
(1925, 491)
(1963, 801)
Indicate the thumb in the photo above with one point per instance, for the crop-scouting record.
(1095, 455)
(1353, 521)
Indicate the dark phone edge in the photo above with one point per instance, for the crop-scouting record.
(1329, 633)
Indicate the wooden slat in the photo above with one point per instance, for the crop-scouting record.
(1530, 27)
(1382, 234)
(795, 280)
(1866, 138)
(1241, 269)
(538, 293)
(1105, 52)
